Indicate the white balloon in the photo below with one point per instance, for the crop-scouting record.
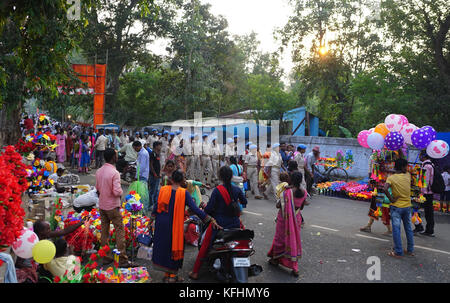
(437, 149)
(394, 123)
(375, 141)
(407, 132)
(23, 246)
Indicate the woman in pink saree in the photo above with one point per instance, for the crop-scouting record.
(61, 148)
(287, 247)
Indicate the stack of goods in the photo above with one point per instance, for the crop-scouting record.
(42, 140)
(133, 203)
(87, 237)
(358, 190)
(90, 274)
(13, 184)
(341, 160)
(38, 182)
(390, 141)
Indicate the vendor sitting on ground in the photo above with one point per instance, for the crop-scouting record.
(43, 231)
(62, 261)
(51, 165)
(59, 173)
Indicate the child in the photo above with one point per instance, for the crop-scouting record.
(62, 262)
(169, 168)
(446, 195)
(284, 178)
(85, 157)
(76, 152)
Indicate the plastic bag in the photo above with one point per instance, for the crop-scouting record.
(88, 199)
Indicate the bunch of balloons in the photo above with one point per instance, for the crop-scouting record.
(396, 131)
(28, 245)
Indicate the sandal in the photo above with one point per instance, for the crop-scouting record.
(126, 264)
(393, 254)
(175, 279)
(273, 262)
(193, 276)
(411, 254)
(366, 229)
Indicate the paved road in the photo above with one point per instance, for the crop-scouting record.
(329, 238)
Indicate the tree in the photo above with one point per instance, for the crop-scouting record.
(343, 44)
(124, 29)
(35, 39)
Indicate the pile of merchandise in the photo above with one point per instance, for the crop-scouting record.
(90, 274)
(357, 190)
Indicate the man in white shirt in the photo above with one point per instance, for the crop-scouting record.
(206, 161)
(188, 153)
(229, 150)
(164, 148)
(275, 163)
(100, 146)
(215, 159)
(251, 169)
(197, 161)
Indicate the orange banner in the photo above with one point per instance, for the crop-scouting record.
(95, 77)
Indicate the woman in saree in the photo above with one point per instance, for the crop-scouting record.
(286, 246)
(61, 148)
(168, 239)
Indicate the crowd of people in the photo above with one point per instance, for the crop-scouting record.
(173, 168)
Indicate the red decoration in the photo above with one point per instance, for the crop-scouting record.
(13, 183)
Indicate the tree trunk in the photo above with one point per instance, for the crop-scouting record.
(10, 124)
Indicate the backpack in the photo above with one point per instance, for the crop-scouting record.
(438, 184)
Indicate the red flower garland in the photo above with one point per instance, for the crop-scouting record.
(13, 183)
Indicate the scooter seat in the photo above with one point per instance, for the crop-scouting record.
(231, 235)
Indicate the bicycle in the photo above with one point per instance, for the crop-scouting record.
(330, 170)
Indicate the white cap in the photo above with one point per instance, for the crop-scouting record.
(253, 146)
(229, 140)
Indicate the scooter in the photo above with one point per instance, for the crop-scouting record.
(229, 257)
(127, 170)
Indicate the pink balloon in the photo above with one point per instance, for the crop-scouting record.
(404, 120)
(362, 138)
(407, 132)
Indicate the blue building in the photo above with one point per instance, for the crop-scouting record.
(298, 119)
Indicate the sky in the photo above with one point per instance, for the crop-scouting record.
(245, 16)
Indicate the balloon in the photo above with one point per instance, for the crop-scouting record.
(431, 130)
(407, 131)
(393, 123)
(404, 120)
(362, 138)
(420, 138)
(23, 246)
(394, 141)
(381, 129)
(375, 141)
(371, 130)
(44, 251)
(437, 149)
